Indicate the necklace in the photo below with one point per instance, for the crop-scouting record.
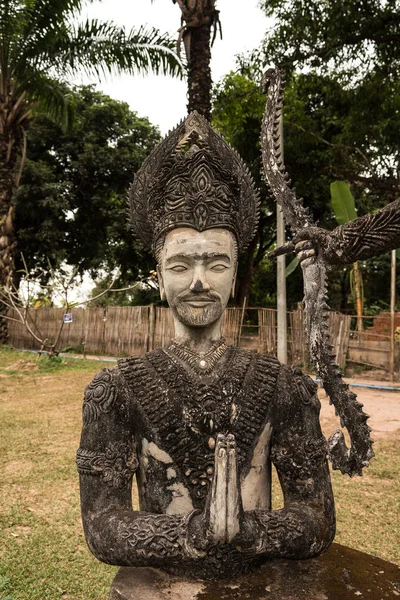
(202, 362)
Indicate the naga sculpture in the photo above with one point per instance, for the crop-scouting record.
(360, 239)
(199, 423)
(315, 285)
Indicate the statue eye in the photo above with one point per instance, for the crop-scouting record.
(178, 268)
(219, 268)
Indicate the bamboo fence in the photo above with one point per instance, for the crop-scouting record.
(135, 330)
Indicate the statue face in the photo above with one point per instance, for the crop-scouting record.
(197, 274)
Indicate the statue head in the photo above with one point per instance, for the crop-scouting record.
(196, 272)
(194, 203)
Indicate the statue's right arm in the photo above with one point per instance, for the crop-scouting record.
(107, 460)
(305, 526)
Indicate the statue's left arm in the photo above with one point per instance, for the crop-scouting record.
(305, 527)
(360, 239)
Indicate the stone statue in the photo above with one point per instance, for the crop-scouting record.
(361, 239)
(199, 423)
(315, 268)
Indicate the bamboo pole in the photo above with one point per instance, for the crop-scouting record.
(241, 321)
(392, 313)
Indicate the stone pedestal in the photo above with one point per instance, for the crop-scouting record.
(339, 574)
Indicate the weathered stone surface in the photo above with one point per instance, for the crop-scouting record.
(339, 574)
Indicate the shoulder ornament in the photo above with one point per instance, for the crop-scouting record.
(304, 387)
(100, 396)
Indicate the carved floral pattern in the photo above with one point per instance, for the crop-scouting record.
(157, 536)
(116, 466)
(300, 458)
(277, 530)
(100, 396)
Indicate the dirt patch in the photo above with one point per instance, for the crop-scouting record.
(383, 406)
(23, 365)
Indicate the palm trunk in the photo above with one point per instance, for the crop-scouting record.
(8, 169)
(199, 17)
(199, 73)
(244, 285)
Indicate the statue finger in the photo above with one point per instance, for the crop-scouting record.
(303, 255)
(217, 516)
(303, 245)
(285, 249)
(233, 502)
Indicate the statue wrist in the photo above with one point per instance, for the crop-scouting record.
(196, 539)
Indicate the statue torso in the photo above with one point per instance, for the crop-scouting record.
(177, 414)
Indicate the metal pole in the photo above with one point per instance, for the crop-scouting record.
(281, 280)
(392, 313)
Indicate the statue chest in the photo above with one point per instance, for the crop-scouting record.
(182, 415)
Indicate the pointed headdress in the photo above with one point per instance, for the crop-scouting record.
(193, 178)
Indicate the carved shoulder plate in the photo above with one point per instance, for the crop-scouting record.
(100, 396)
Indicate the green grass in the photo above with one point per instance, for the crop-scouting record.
(43, 554)
(14, 362)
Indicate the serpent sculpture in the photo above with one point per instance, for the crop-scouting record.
(351, 460)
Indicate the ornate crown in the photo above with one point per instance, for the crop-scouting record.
(193, 178)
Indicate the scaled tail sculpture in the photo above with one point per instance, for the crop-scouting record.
(351, 460)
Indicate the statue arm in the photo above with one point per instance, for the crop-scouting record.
(368, 235)
(360, 239)
(107, 460)
(305, 527)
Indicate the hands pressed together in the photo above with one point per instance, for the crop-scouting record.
(223, 520)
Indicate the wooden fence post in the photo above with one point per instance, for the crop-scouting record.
(152, 327)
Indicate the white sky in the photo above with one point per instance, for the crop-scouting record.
(163, 99)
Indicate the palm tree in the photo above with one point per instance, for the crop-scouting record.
(40, 46)
(199, 18)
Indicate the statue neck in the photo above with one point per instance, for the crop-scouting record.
(198, 339)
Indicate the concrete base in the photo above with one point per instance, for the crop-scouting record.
(339, 574)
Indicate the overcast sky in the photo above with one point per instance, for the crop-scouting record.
(163, 99)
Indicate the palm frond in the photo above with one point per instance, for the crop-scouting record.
(49, 96)
(105, 48)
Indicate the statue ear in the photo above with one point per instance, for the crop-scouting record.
(233, 284)
(161, 284)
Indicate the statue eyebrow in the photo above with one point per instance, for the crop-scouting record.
(204, 256)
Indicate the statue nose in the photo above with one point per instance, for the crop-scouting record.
(199, 283)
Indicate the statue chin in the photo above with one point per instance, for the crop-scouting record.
(198, 317)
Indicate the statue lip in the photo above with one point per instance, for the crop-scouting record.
(198, 301)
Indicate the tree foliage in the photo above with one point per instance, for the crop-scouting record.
(341, 115)
(71, 204)
(42, 44)
(356, 36)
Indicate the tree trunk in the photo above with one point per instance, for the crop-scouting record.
(199, 74)
(244, 285)
(343, 292)
(199, 17)
(9, 151)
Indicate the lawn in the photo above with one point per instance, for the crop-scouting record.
(43, 555)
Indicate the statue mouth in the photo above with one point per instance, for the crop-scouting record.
(199, 302)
